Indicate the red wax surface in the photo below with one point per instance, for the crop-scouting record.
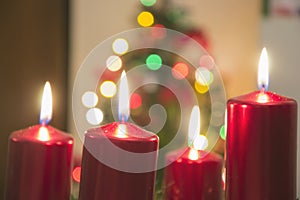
(39, 170)
(101, 181)
(187, 179)
(261, 148)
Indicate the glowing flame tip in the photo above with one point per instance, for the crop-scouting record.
(123, 111)
(194, 125)
(263, 71)
(46, 107)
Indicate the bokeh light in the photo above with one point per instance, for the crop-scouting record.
(145, 19)
(223, 132)
(200, 142)
(204, 76)
(108, 89)
(180, 70)
(135, 101)
(89, 99)
(114, 63)
(76, 174)
(120, 46)
(148, 2)
(94, 116)
(153, 62)
(201, 88)
(158, 31)
(207, 62)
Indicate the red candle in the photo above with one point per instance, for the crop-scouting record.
(261, 144)
(192, 173)
(39, 160)
(119, 159)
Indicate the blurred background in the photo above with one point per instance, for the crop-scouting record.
(48, 40)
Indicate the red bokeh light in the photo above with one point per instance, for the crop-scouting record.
(180, 70)
(135, 101)
(158, 31)
(76, 174)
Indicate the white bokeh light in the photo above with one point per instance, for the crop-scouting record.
(120, 46)
(108, 89)
(203, 76)
(89, 99)
(94, 116)
(114, 63)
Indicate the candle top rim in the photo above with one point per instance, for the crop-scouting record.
(135, 133)
(252, 98)
(30, 135)
(183, 155)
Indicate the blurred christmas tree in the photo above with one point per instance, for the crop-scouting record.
(160, 16)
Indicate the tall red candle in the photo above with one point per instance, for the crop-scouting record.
(261, 145)
(119, 159)
(192, 173)
(39, 161)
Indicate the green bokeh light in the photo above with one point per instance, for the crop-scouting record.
(223, 132)
(148, 2)
(154, 62)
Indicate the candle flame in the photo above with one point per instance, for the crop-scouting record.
(124, 111)
(263, 71)
(43, 134)
(200, 143)
(194, 125)
(46, 107)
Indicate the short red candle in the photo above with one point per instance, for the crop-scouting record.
(261, 147)
(119, 159)
(192, 173)
(39, 164)
(187, 179)
(99, 181)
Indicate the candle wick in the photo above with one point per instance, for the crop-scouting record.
(263, 88)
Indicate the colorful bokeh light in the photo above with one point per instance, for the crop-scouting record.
(180, 70)
(202, 89)
(153, 62)
(207, 62)
(76, 174)
(200, 142)
(148, 2)
(204, 76)
(114, 63)
(94, 116)
(158, 31)
(135, 101)
(223, 132)
(89, 99)
(120, 46)
(145, 19)
(108, 89)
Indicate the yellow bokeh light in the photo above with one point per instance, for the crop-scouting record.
(108, 89)
(114, 63)
(145, 19)
(201, 88)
